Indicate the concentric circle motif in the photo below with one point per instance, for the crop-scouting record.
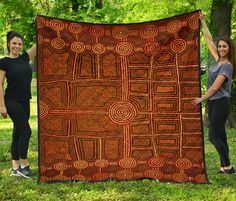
(124, 175)
(100, 176)
(180, 177)
(149, 31)
(101, 163)
(79, 177)
(96, 31)
(61, 178)
(77, 47)
(152, 48)
(40, 39)
(124, 48)
(58, 43)
(122, 112)
(75, 28)
(40, 22)
(56, 25)
(178, 45)
(127, 163)
(120, 32)
(183, 163)
(193, 21)
(80, 164)
(154, 174)
(156, 162)
(174, 26)
(43, 169)
(43, 109)
(98, 48)
(60, 166)
(201, 178)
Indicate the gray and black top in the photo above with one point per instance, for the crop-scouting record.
(225, 69)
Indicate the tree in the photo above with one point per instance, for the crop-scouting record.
(221, 17)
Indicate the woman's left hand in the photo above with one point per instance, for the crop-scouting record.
(196, 101)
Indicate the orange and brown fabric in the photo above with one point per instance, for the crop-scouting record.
(115, 100)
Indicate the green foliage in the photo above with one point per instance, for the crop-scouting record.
(233, 96)
(17, 15)
(4, 152)
(139, 10)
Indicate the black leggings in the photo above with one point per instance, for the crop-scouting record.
(19, 112)
(218, 112)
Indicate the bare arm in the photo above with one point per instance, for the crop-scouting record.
(32, 52)
(3, 109)
(208, 37)
(212, 90)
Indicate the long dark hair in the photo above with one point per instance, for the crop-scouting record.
(10, 35)
(231, 55)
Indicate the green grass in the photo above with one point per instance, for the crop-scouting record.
(222, 187)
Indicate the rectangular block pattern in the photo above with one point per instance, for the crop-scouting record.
(115, 100)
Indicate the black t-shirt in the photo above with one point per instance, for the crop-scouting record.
(18, 76)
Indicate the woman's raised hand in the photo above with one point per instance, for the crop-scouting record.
(202, 16)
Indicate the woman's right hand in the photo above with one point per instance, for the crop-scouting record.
(202, 16)
(3, 112)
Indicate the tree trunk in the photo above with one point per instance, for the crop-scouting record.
(221, 26)
(221, 18)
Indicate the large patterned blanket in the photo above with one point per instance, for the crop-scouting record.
(115, 100)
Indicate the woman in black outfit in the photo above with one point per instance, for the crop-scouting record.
(218, 94)
(16, 102)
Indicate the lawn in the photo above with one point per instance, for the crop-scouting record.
(222, 187)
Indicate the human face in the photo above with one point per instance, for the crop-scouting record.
(223, 49)
(15, 45)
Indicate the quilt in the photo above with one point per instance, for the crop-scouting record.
(114, 100)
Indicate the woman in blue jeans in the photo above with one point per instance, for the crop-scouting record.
(15, 102)
(218, 94)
